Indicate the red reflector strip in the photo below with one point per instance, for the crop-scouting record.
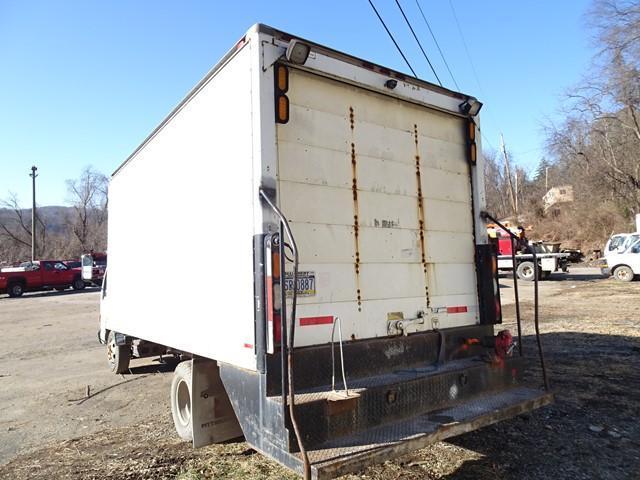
(307, 321)
(462, 309)
(248, 345)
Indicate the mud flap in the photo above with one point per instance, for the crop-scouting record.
(212, 415)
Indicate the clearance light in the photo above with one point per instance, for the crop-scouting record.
(471, 131)
(281, 86)
(282, 78)
(473, 153)
(283, 109)
(297, 52)
(391, 84)
(471, 141)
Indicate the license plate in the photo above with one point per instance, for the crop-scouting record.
(306, 284)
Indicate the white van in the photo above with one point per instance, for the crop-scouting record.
(623, 266)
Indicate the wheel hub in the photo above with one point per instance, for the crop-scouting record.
(183, 402)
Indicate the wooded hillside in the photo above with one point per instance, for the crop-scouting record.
(61, 232)
(595, 148)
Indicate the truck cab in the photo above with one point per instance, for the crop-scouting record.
(39, 275)
(620, 242)
(93, 267)
(625, 265)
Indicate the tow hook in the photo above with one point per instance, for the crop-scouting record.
(405, 326)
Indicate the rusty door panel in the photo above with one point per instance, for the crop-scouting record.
(440, 184)
(314, 165)
(448, 216)
(378, 194)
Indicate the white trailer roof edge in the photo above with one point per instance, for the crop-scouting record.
(240, 44)
(356, 61)
(259, 28)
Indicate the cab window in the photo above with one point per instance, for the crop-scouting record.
(615, 243)
(631, 240)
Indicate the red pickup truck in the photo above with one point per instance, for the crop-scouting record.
(39, 275)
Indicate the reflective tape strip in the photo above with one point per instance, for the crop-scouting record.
(459, 309)
(308, 321)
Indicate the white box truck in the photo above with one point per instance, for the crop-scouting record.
(335, 206)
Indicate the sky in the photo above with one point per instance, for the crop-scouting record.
(83, 82)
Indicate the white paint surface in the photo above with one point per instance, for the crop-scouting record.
(315, 193)
(181, 227)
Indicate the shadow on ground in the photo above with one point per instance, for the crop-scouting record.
(591, 431)
(51, 293)
(556, 277)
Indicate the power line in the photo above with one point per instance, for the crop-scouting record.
(437, 45)
(418, 41)
(473, 67)
(393, 39)
(487, 140)
(466, 48)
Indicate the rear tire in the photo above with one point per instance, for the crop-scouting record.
(15, 290)
(78, 283)
(623, 273)
(118, 356)
(525, 272)
(181, 400)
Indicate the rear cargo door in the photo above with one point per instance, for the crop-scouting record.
(377, 190)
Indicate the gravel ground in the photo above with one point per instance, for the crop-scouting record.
(590, 330)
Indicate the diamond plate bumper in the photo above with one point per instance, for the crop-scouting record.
(356, 452)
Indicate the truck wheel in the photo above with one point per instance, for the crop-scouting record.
(181, 400)
(118, 356)
(525, 271)
(16, 290)
(78, 284)
(623, 273)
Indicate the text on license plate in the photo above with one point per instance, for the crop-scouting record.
(306, 284)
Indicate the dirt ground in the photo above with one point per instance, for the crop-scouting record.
(590, 333)
(49, 354)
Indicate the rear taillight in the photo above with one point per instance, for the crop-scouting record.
(273, 289)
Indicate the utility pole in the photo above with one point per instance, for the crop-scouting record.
(514, 202)
(516, 172)
(33, 176)
(546, 179)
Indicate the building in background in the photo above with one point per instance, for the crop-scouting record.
(558, 195)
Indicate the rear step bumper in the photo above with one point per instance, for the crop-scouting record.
(356, 452)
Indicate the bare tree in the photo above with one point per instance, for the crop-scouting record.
(15, 228)
(597, 146)
(88, 195)
(497, 192)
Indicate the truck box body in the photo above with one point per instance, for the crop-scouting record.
(378, 178)
(191, 192)
(186, 200)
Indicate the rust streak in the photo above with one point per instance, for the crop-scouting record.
(354, 189)
(421, 217)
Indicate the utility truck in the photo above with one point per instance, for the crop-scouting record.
(352, 312)
(518, 252)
